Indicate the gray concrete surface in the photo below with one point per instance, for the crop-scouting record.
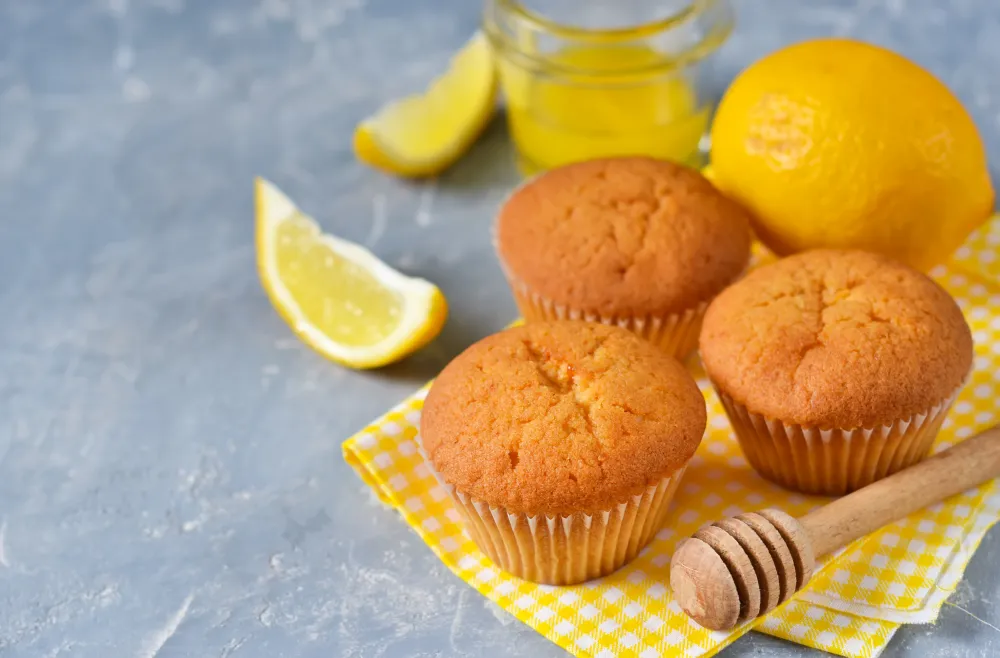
(171, 481)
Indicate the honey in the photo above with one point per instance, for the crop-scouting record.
(577, 93)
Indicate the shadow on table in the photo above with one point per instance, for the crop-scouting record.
(487, 170)
(426, 363)
(490, 163)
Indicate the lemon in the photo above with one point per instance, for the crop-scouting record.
(838, 143)
(422, 135)
(336, 295)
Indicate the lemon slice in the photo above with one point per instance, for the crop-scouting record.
(336, 295)
(421, 135)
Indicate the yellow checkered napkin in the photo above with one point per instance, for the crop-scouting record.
(854, 604)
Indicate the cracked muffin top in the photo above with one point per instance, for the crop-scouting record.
(623, 237)
(836, 339)
(561, 417)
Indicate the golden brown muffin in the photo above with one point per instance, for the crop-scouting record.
(837, 341)
(580, 422)
(632, 241)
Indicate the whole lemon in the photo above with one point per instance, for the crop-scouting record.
(838, 143)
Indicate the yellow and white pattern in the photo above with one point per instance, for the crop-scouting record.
(854, 604)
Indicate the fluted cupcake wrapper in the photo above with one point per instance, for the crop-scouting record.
(676, 334)
(832, 462)
(567, 549)
(563, 549)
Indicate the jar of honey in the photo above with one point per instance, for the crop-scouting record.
(591, 78)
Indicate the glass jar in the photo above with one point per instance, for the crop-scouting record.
(591, 78)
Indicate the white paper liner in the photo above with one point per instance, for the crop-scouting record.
(832, 462)
(564, 550)
(676, 334)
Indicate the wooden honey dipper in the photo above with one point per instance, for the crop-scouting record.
(742, 567)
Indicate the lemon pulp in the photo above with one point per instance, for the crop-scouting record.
(337, 296)
(602, 101)
(421, 135)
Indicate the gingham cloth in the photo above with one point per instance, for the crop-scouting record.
(853, 605)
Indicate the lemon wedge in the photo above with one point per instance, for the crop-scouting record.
(421, 135)
(336, 295)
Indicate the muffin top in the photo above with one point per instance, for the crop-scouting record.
(836, 339)
(623, 237)
(561, 417)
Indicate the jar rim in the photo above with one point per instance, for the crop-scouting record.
(537, 19)
(517, 14)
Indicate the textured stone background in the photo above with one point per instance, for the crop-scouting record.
(170, 474)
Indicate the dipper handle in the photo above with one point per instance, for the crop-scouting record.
(739, 568)
(940, 476)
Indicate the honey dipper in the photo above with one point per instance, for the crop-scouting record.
(742, 567)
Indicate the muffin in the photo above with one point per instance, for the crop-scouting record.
(635, 242)
(836, 368)
(562, 444)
